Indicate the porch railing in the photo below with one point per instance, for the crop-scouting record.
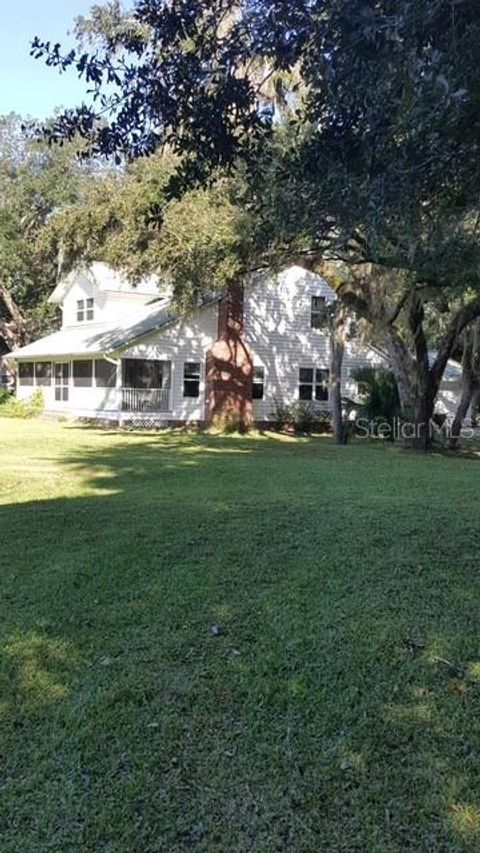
(145, 399)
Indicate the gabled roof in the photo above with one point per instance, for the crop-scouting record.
(104, 278)
(106, 338)
(96, 340)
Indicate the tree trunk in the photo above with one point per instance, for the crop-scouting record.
(402, 368)
(470, 380)
(417, 392)
(423, 416)
(337, 348)
(12, 331)
(418, 381)
(469, 390)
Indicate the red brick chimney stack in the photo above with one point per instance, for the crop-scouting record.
(229, 365)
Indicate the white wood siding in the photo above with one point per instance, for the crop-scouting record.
(185, 340)
(277, 330)
(279, 334)
(109, 306)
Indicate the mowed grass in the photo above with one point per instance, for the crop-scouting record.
(336, 708)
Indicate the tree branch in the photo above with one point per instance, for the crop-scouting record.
(11, 305)
(463, 318)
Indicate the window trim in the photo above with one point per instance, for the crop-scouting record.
(258, 383)
(314, 384)
(321, 324)
(85, 310)
(193, 379)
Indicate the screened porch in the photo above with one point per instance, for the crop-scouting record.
(79, 384)
(146, 385)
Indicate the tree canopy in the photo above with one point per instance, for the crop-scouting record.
(37, 184)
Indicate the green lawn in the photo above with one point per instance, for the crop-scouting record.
(338, 709)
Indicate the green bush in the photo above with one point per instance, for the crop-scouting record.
(300, 417)
(10, 407)
(281, 417)
(4, 396)
(381, 403)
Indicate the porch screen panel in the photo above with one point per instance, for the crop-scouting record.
(25, 372)
(142, 373)
(43, 373)
(82, 373)
(105, 374)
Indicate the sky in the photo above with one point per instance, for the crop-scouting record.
(27, 86)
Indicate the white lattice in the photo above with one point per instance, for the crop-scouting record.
(148, 423)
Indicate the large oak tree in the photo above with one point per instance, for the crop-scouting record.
(375, 161)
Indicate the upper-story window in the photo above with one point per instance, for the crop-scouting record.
(85, 310)
(319, 316)
(258, 383)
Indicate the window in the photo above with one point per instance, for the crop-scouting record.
(25, 373)
(319, 312)
(313, 383)
(362, 389)
(85, 310)
(105, 374)
(43, 373)
(191, 379)
(258, 383)
(82, 373)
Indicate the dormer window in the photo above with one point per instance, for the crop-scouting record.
(85, 310)
(319, 316)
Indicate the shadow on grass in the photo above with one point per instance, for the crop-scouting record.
(338, 698)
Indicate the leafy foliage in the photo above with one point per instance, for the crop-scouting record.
(302, 417)
(379, 401)
(37, 184)
(32, 407)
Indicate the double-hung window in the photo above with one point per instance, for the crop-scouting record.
(258, 383)
(313, 383)
(191, 379)
(319, 315)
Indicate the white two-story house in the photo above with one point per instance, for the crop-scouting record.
(123, 352)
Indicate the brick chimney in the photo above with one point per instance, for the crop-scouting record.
(229, 365)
